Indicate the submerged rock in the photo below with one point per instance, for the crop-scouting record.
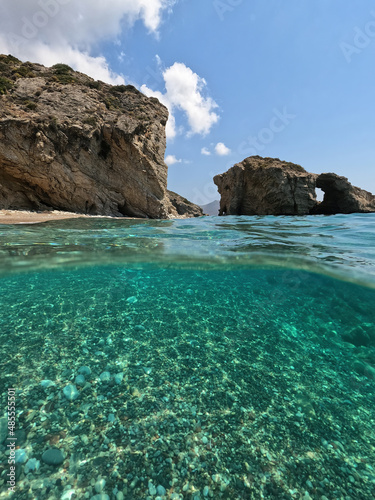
(71, 392)
(68, 142)
(105, 377)
(32, 465)
(47, 383)
(80, 380)
(21, 456)
(118, 378)
(53, 456)
(85, 371)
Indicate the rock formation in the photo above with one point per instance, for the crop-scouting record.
(340, 197)
(184, 206)
(266, 186)
(68, 142)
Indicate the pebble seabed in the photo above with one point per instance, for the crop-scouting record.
(136, 383)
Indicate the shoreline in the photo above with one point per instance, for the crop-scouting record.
(26, 217)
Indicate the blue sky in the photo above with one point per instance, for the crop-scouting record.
(293, 80)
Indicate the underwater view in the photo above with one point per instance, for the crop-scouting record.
(220, 358)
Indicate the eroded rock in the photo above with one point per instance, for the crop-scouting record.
(266, 186)
(340, 197)
(70, 143)
(183, 206)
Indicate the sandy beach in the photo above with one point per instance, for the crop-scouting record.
(25, 217)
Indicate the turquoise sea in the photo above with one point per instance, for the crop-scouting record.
(220, 358)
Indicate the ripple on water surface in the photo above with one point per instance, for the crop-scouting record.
(341, 244)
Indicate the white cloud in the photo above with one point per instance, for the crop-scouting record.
(205, 151)
(171, 160)
(53, 31)
(184, 91)
(221, 149)
(170, 129)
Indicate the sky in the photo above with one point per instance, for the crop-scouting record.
(287, 79)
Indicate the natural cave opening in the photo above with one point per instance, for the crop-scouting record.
(334, 195)
(319, 194)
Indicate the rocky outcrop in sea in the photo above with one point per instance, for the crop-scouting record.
(341, 197)
(68, 142)
(269, 186)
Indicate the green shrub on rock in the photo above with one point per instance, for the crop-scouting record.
(23, 71)
(123, 88)
(61, 69)
(63, 74)
(5, 85)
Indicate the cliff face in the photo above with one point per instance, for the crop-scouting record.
(266, 186)
(70, 143)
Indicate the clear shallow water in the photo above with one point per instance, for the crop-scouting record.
(342, 244)
(228, 357)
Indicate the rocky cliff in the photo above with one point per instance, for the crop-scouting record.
(71, 143)
(266, 186)
(183, 206)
